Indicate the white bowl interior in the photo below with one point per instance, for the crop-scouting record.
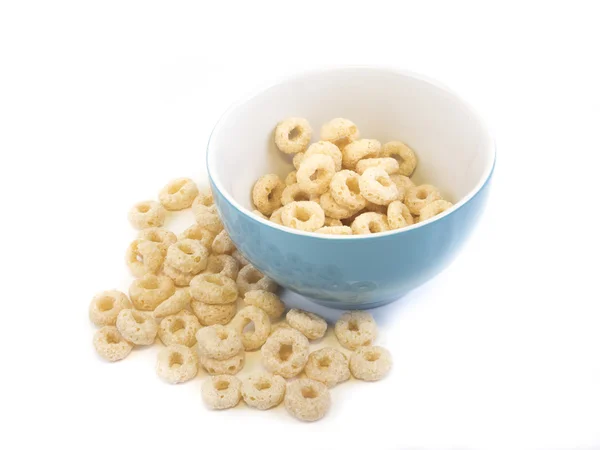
(454, 150)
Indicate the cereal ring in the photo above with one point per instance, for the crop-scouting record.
(333, 209)
(329, 222)
(147, 214)
(161, 237)
(296, 161)
(223, 244)
(143, 257)
(402, 181)
(219, 342)
(266, 193)
(262, 326)
(420, 196)
(222, 265)
(357, 150)
(263, 390)
(241, 259)
(315, 173)
(307, 399)
(294, 193)
(214, 289)
(229, 366)
(179, 278)
(176, 364)
(339, 131)
(267, 301)
(207, 217)
(204, 198)
(178, 194)
(276, 216)
(221, 392)
(370, 363)
(213, 314)
(327, 365)
(307, 323)
(405, 155)
(110, 344)
(433, 209)
(179, 329)
(106, 306)
(175, 303)
(340, 230)
(305, 216)
(390, 165)
(149, 291)
(355, 329)
(345, 190)
(187, 256)
(370, 222)
(251, 279)
(285, 352)
(137, 327)
(198, 233)
(398, 215)
(328, 149)
(291, 178)
(292, 135)
(377, 187)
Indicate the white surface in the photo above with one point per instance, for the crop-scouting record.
(101, 103)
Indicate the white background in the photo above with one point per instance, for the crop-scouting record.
(103, 102)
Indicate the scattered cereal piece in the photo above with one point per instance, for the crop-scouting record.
(357, 150)
(207, 217)
(198, 233)
(110, 344)
(251, 279)
(137, 327)
(291, 178)
(254, 339)
(297, 160)
(398, 215)
(328, 149)
(355, 329)
(267, 301)
(177, 364)
(292, 135)
(179, 329)
(241, 259)
(339, 230)
(307, 399)
(433, 209)
(147, 214)
(229, 366)
(377, 187)
(263, 391)
(213, 314)
(187, 256)
(285, 352)
(305, 216)
(390, 165)
(223, 265)
(205, 198)
(370, 363)
(174, 304)
(370, 222)
(214, 289)
(179, 278)
(223, 244)
(266, 193)
(219, 342)
(221, 392)
(315, 173)
(148, 292)
(327, 365)
(178, 194)
(106, 306)
(406, 156)
(307, 323)
(161, 237)
(339, 131)
(418, 197)
(345, 190)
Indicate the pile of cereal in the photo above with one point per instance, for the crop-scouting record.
(198, 294)
(343, 184)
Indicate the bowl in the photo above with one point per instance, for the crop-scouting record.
(455, 152)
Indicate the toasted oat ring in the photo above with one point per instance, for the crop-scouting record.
(251, 279)
(219, 342)
(266, 193)
(398, 215)
(221, 392)
(267, 301)
(179, 278)
(433, 209)
(263, 390)
(223, 245)
(345, 190)
(213, 314)
(306, 216)
(137, 327)
(370, 222)
(276, 216)
(187, 256)
(149, 291)
(143, 257)
(333, 209)
(377, 187)
(204, 197)
(241, 259)
(402, 181)
(207, 217)
(307, 399)
(339, 230)
(357, 150)
(370, 363)
(223, 265)
(178, 194)
(285, 352)
(390, 165)
(161, 237)
(340, 132)
(106, 306)
(401, 151)
(294, 193)
(327, 365)
(179, 329)
(229, 366)
(355, 329)
(262, 326)
(175, 303)
(292, 135)
(213, 288)
(147, 214)
(315, 173)
(297, 161)
(420, 196)
(307, 323)
(328, 149)
(291, 178)
(198, 233)
(110, 345)
(177, 363)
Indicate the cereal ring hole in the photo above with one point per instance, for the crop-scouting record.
(214, 280)
(112, 338)
(309, 392)
(375, 227)
(285, 351)
(384, 181)
(143, 208)
(248, 327)
(254, 277)
(176, 186)
(325, 361)
(353, 325)
(175, 360)
(421, 194)
(352, 184)
(303, 214)
(105, 304)
(177, 325)
(185, 248)
(294, 133)
(301, 196)
(262, 385)
(221, 385)
(372, 356)
(317, 174)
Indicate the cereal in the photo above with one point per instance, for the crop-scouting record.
(328, 149)
(418, 197)
(398, 215)
(370, 222)
(291, 178)
(106, 306)
(294, 193)
(297, 160)
(276, 216)
(178, 194)
(204, 198)
(148, 292)
(262, 326)
(198, 233)
(340, 230)
(110, 344)
(307, 399)
(357, 150)
(315, 173)
(267, 301)
(263, 391)
(305, 216)
(401, 151)
(377, 187)
(327, 365)
(241, 259)
(207, 217)
(223, 244)
(213, 314)
(266, 193)
(179, 278)
(333, 209)
(390, 165)
(137, 327)
(179, 329)
(229, 366)
(292, 135)
(370, 363)
(221, 392)
(345, 190)
(251, 279)
(329, 222)
(147, 214)
(175, 303)
(402, 181)
(285, 352)
(309, 324)
(161, 237)
(176, 364)
(187, 256)
(355, 329)
(222, 265)
(433, 209)
(214, 289)
(219, 342)
(340, 132)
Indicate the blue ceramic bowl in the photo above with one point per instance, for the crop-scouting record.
(455, 151)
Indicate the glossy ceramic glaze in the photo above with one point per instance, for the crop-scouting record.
(455, 153)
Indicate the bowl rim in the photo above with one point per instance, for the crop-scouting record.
(389, 70)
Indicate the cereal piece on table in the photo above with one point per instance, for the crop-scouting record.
(177, 364)
(315, 173)
(263, 390)
(229, 366)
(370, 222)
(307, 399)
(333, 209)
(213, 314)
(251, 279)
(174, 304)
(149, 291)
(221, 392)
(418, 197)
(267, 301)
(292, 135)
(328, 149)
(254, 339)
(390, 165)
(137, 327)
(214, 289)
(355, 329)
(219, 342)
(198, 233)
(340, 132)
(106, 306)
(207, 217)
(328, 366)
(357, 150)
(377, 187)
(433, 209)
(179, 278)
(291, 178)
(305, 216)
(178, 194)
(345, 190)
(285, 352)
(398, 215)
(329, 222)
(204, 197)
(406, 156)
(159, 236)
(179, 329)
(307, 323)
(402, 181)
(110, 345)
(241, 259)
(223, 265)
(187, 256)
(297, 160)
(147, 214)
(266, 193)
(294, 193)
(341, 230)
(370, 363)
(223, 244)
